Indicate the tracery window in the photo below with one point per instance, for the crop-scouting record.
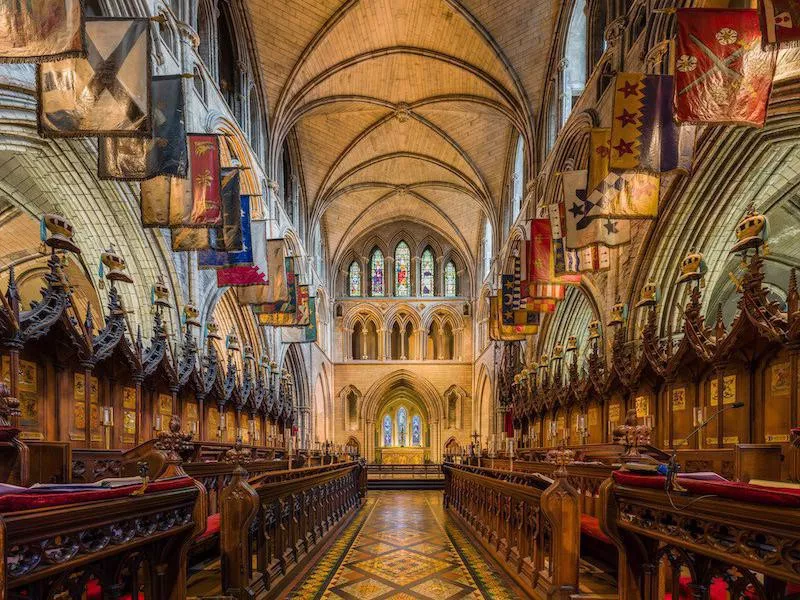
(376, 265)
(450, 285)
(427, 277)
(416, 431)
(518, 179)
(487, 248)
(402, 426)
(387, 431)
(354, 277)
(575, 71)
(402, 262)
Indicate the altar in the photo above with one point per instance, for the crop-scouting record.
(403, 456)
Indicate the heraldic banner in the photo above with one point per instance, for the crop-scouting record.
(722, 75)
(37, 30)
(138, 158)
(108, 92)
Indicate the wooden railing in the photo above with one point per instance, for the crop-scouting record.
(701, 545)
(404, 471)
(585, 478)
(531, 527)
(103, 549)
(271, 525)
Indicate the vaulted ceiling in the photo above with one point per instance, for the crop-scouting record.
(402, 109)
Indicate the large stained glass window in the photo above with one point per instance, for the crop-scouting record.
(416, 431)
(450, 284)
(402, 264)
(376, 273)
(427, 269)
(355, 279)
(387, 431)
(402, 426)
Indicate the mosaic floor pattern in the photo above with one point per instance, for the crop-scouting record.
(403, 546)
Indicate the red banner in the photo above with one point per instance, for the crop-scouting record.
(540, 258)
(722, 75)
(205, 172)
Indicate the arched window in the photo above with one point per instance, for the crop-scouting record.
(228, 61)
(450, 280)
(487, 248)
(387, 431)
(402, 263)
(354, 278)
(199, 84)
(402, 426)
(286, 183)
(416, 431)
(376, 264)
(204, 32)
(319, 251)
(255, 123)
(427, 267)
(575, 70)
(597, 26)
(518, 179)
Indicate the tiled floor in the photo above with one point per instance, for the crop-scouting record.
(403, 546)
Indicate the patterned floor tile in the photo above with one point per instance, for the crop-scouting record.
(379, 548)
(366, 589)
(402, 566)
(406, 548)
(438, 589)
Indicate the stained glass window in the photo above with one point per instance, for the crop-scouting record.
(416, 431)
(387, 431)
(402, 426)
(376, 273)
(427, 268)
(402, 262)
(450, 286)
(355, 279)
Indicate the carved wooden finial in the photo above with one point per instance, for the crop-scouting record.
(793, 297)
(173, 442)
(88, 322)
(237, 455)
(631, 435)
(719, 327)
(561, 457)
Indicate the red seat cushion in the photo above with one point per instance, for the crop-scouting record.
(732, 490)
(95, 592)
(718, 591)
(212, 527)
(15, 502)
(591, 526)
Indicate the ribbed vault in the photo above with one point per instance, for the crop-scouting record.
(401, 108)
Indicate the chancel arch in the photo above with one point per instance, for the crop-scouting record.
(403, 388)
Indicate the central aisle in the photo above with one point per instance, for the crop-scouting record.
(402, 545)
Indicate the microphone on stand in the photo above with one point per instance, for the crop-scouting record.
(673, 467)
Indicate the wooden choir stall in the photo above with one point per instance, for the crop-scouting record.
(684, 471)
(131, 442)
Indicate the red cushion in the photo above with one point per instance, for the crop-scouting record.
(718, 591)
(212, 527)
(591, 526)
(95, 592)
(15, 502)
(732, 490)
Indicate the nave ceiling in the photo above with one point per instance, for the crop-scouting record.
(402, 109)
